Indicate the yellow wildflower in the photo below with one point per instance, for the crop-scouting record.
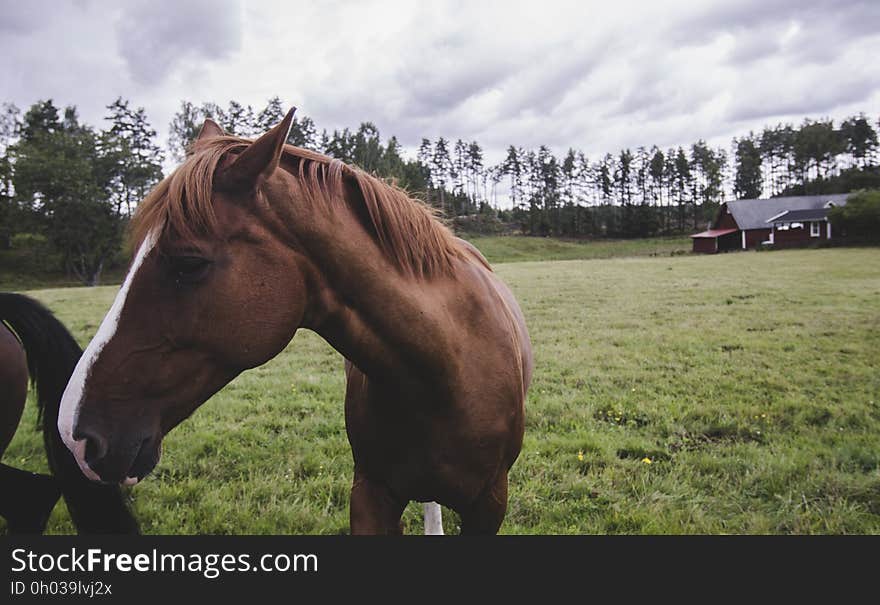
(647, 460)
(580, 455)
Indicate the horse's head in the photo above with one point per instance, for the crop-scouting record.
(204, 299)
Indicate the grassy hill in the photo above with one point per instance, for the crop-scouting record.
(512, 249)
(22, 269)
(737, 393)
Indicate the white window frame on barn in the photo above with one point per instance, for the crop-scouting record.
(815, 229)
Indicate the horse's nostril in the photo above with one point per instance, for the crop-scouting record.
(96, 446)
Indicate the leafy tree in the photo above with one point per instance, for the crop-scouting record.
(860, 217)
(41, 118)
(10, 128)
(58, 177)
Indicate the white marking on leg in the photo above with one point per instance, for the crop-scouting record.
(72, 398)
(433, 519)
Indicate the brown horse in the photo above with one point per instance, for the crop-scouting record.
(248, 241)
(40, 346)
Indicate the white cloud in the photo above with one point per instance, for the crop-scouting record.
(596, 76)
(154, 38)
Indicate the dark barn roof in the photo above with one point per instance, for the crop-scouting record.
(799, 216)
(754, 214)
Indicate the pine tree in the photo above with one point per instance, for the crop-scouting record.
(748, 182)
(367, 150)
(512, 167)
(183, 129)
(441, 166)
(130, 156)
(270, 115)
(235, 122)
(476, 176)
(860, 139)
(459, 167)
(303, 133)
(656, 171)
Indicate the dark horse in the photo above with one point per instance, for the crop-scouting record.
(248, 241)
(39, 345)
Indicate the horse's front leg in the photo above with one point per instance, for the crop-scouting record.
(485, 515)
(373, 509)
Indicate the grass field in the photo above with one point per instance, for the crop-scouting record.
(737, 393)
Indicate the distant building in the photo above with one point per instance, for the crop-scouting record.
(781, 221)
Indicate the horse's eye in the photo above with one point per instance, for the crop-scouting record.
(189, 269)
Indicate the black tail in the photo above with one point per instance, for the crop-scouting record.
(52, 354)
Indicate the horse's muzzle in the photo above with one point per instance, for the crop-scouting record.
(118, 459)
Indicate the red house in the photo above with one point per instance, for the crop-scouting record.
(781, 221)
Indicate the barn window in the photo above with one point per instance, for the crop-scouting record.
(782, 227)
(815, 229)
(797, 225)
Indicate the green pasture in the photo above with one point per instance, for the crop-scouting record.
(513, 248)
(737, 393)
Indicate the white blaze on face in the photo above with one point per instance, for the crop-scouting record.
(72, 398)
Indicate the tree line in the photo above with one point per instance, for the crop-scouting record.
(634, 193)
(76, 185)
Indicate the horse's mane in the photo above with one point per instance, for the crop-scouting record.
(406, 229)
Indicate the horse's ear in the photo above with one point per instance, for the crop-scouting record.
(260, 159)
(209, 130)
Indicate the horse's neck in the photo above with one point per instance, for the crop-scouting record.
(383, 321)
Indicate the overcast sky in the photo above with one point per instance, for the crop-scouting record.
(597, 76)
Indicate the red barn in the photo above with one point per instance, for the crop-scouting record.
(781, 221)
